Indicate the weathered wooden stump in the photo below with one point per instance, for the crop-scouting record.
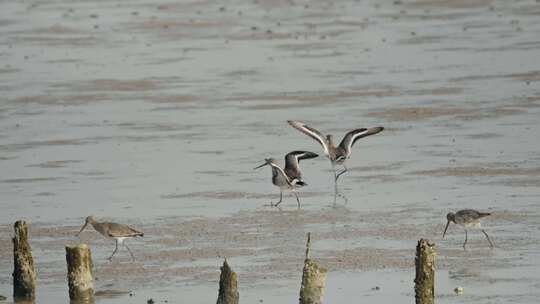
(80, 278)
(313, 279)
(424, 283)
(228, 286)
(24, 275)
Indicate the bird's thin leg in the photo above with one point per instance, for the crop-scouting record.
(340, 173)
(115, 250)
(335, 180)
(337, 194)
(297, 200)
(336, 190)
(464, 243)
(336, 176)
(280, 198)
(345, 199)
(131, 253)
(487, 236)
(335, 173)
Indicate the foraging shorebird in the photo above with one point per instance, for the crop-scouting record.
(467, 218)
(118, 232)
(289, 178)
(337, 154)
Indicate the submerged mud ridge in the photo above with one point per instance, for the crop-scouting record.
(266, 245)
(486, 170)
(423, 113)
(510, 174)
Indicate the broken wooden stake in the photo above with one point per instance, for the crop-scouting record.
(228, 286)
(424, 283)
(80, 278)
(313, 279)
(24, 275)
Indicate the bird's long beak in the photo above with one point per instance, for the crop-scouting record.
(84, 226)
(311, 155)
(445, 228)
(261, 166)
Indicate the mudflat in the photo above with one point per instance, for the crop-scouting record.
(153, 114)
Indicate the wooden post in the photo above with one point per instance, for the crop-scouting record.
(228, 286)
(80, 279)
(313, 279)
(424, 282)
(24, 275)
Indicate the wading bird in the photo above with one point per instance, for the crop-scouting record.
(467, 218)
(118, 232)
(289, 178)
(337, 154)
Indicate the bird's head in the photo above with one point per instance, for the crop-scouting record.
(89, 220)
(450, 217)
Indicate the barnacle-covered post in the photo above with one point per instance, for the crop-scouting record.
(24, 275)
(228, 286)
(80, 277)
(424, 283)
(313, 279)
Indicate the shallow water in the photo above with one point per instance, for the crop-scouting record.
(154, 114)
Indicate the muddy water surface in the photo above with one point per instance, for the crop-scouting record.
(153, 113)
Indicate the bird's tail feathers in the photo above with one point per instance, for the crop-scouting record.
(136, 233)
(298, 183)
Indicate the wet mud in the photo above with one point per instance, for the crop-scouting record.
(154, 114)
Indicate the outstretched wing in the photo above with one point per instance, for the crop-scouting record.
(280, 171)
(293, 158)
(352, 136)
(313, 133)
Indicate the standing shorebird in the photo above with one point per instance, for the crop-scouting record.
(337, 154)
(467, 218)
(289, 178)
(118, 232)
